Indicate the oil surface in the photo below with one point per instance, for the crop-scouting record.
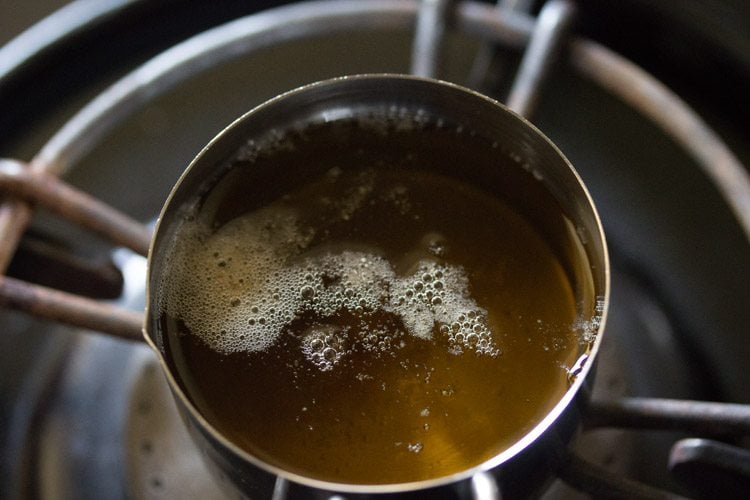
(343, 309)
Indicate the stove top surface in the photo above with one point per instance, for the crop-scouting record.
(85, 416)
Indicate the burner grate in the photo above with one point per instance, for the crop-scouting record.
(544, 41)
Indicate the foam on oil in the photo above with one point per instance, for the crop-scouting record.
(238, 289)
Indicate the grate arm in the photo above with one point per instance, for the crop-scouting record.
(70, 309)
(428, 37)
(699, 417)
(74, 205)
(547, 39)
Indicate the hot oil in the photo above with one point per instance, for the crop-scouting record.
(360, 304)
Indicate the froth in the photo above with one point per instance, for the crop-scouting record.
(212, 276)
(241, 287)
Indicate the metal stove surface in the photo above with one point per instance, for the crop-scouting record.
(90, 417)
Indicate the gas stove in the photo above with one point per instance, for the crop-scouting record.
(117, 97)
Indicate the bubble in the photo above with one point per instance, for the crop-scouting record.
(437, 249)
(415, 447)
(599, 305)
(330, 354)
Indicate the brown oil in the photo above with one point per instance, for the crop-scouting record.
(372, 306)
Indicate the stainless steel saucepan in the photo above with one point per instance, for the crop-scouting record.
(573, 230)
